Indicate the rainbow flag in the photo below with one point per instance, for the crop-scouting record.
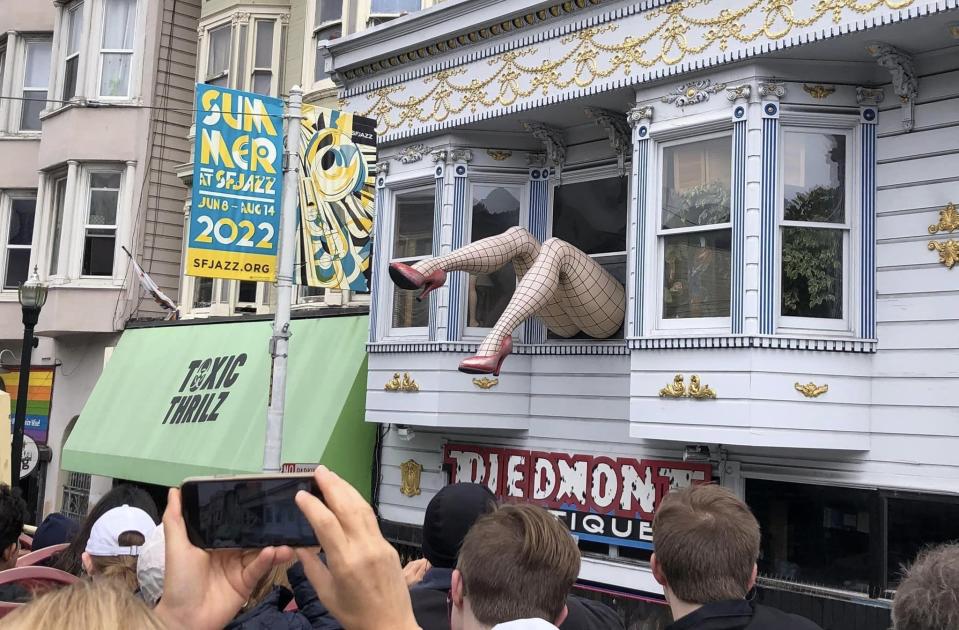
(39, 398)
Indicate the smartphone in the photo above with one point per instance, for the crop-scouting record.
(247, 512)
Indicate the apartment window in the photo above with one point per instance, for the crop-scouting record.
(815, 228)
(262, 82)
(116, 52)
(412, 242)
(495, 210)
(59, 201)
(100, 230)
(71, 61)
(202, 292)
(36, 80)
(327, 24)
(695, 229)
(385, 10)
(218, 56)
(308, 294)
(19, 237)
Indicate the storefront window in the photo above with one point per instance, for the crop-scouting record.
(495, 210)
(695, 228)
(412, 242)
(914, 522)
(815, 224)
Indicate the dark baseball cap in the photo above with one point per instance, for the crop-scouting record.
(449, 516)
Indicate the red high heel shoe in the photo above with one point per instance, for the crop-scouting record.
(490, 364)
(405, 277)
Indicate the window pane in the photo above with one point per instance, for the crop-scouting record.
(70, 78)
(202, 292)
(105, 180)
(263, 57)
(592, 215)
(394, 6)
(696, 183)
(915, 522)
(18, 267)
(414, 226)
(815, 177)
(33, 104)
(495, 210)
(119, 24)
(98, 246)
(328, 11)
(407, 311)
(115, 74)
(246, 292)
(74, 28)
(60, 188)
(813, 534)
(262, 81)
(219, 54)
(22, 213)
(696, 278)
(37, 71)
(812, 272)
(103, 207)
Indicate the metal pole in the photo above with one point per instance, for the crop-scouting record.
(30, 317)
(286, 254)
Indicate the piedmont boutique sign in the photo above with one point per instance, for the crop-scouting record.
(602, 499)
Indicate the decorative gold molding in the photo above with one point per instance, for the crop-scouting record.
(811, 390)
(498, 155)
(948, 252)
(948, 220)
(411, 472)
(401, 384)
(818, 92)
(701, 392)
(676, 31)
(486, 382)
(676, 389)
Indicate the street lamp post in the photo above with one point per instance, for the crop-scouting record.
(32, 295)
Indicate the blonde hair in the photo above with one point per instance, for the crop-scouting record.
(122, 570)
(84, 605)
(276, 577)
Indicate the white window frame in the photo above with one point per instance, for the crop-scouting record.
(7, 198)
(55, 236)
(275, 54)
(24, 43)
(101, 52)
(86, 185)
(670, 326)
(242, 56)
(78, 9)
(835, 125)
(13, 69)
(367, 14)
(203, 75)
(309, 67)
(487, 179)
(398, 190)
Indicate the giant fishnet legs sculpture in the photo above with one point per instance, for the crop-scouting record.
(559, 283)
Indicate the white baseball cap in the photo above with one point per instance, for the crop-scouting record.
(105, 534)
(151, 565)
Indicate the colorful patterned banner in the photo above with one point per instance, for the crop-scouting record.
(39, 397)
(338, 154)
(237, 179)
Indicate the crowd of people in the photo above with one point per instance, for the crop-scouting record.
(484, 566)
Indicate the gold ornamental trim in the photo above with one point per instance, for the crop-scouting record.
(701, 392)
(811, 390)
(403, 383)
(818, 92)
(486, 382)
(676, 389)
(696, 390)
(411, 472)
(948, 220)
(948, 252)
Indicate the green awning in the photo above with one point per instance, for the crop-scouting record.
(185, 400)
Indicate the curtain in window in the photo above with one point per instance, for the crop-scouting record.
(394, 6)
(117, 49)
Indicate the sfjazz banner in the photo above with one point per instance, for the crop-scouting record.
(237, 178)
(602, 499)
(338, 157)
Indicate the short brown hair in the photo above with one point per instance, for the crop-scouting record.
(518, 562)
(706, 542)
(928, 596)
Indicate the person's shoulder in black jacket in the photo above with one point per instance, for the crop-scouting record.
(588, 614)
(768, 618)
(270, 614)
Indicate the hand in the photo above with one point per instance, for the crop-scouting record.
(362, 583)
(414, 571)
(205, 589)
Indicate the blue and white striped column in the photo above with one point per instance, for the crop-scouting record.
(639, 119)
(457, 279)
(534, 331)
(868, 117)
(379, 213)
(440, 175)
(767, 241)
(738, 272)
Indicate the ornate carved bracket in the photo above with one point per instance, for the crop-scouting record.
(616, 127)
(498, 154)
(461, 155)
(403, 383)
(383, 168)
(905, 83)
(739, 92)
(818, 92)
(554, 143)
(948, 252)
(440, 155)
(639, 115)
(811, 390)
(772, 89)
(412, 153)
(948, 220)
(693, 92)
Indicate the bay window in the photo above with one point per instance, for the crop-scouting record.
(116, 51)
(100, 229)
(814, 228)
(56, 226)
(412, 242)
(218, 56)
(495, 210)
(384, 10)
(243, 51)
(327, 24)
(36, 81)
(73, 30)
(20, 211)
(695, 229)
(262, 81)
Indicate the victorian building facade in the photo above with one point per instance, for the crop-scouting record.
(771, 182)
